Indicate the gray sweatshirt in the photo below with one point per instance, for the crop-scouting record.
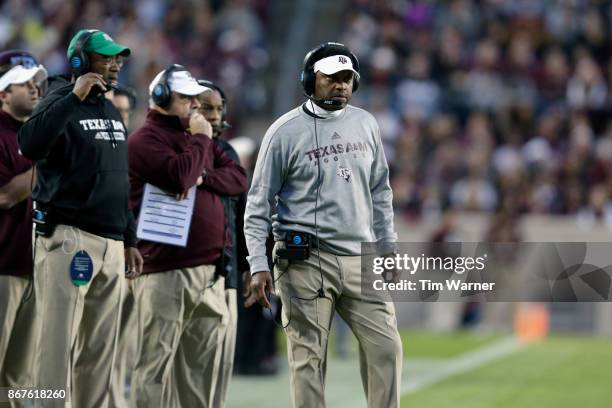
(354, 202)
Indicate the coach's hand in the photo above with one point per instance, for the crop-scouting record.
(261, 283)
(134, 262)
(86, 82)
(185, 194)
(199, 125)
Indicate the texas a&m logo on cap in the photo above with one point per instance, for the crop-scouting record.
(342, 59)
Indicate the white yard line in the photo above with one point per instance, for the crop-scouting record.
(462, 364)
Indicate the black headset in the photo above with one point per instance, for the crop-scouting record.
(161, 93)
(78, 59)
(324, 50)
(212, 85)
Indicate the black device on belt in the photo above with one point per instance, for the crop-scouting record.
(44, 225)
(297, 246)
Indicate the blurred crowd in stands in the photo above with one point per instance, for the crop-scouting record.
(484, 105)
(220, 40)
(491, 105)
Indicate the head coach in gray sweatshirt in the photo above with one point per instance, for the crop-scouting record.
(322, 168)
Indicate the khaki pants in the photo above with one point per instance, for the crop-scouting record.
(308, 318)
(127, 346)
(227, 350)
(79, 325)
(182, 319)
(18, 333)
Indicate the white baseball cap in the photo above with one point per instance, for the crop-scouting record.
(20, 74)
(333, 64)
(180, 81)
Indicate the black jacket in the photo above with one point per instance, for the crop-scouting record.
(234, 262)
(82, 162)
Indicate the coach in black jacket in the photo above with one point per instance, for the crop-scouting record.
(233, 262)
(78, 140)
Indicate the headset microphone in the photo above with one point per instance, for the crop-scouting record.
(222, 126)
(326, 102)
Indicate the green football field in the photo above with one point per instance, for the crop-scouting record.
(464, 369)
(559, 372)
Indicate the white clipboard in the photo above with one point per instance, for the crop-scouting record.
(163, 219)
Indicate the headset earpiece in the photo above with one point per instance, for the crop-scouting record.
(78, 60)
(356, 76)
(162, 94)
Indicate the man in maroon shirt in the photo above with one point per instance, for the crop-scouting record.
(20, 76)
(178, 294)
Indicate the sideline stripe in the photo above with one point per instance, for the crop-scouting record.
(463, 363)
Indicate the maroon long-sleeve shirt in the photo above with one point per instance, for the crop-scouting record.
(16, 222)
(162, 153)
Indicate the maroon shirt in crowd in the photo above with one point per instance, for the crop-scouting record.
(162, 153)
(16, 222)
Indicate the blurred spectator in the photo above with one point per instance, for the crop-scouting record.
(418, 93)
(475, 192)
(553, 78)
(484, 88)
(587, 88)
(597, 210)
